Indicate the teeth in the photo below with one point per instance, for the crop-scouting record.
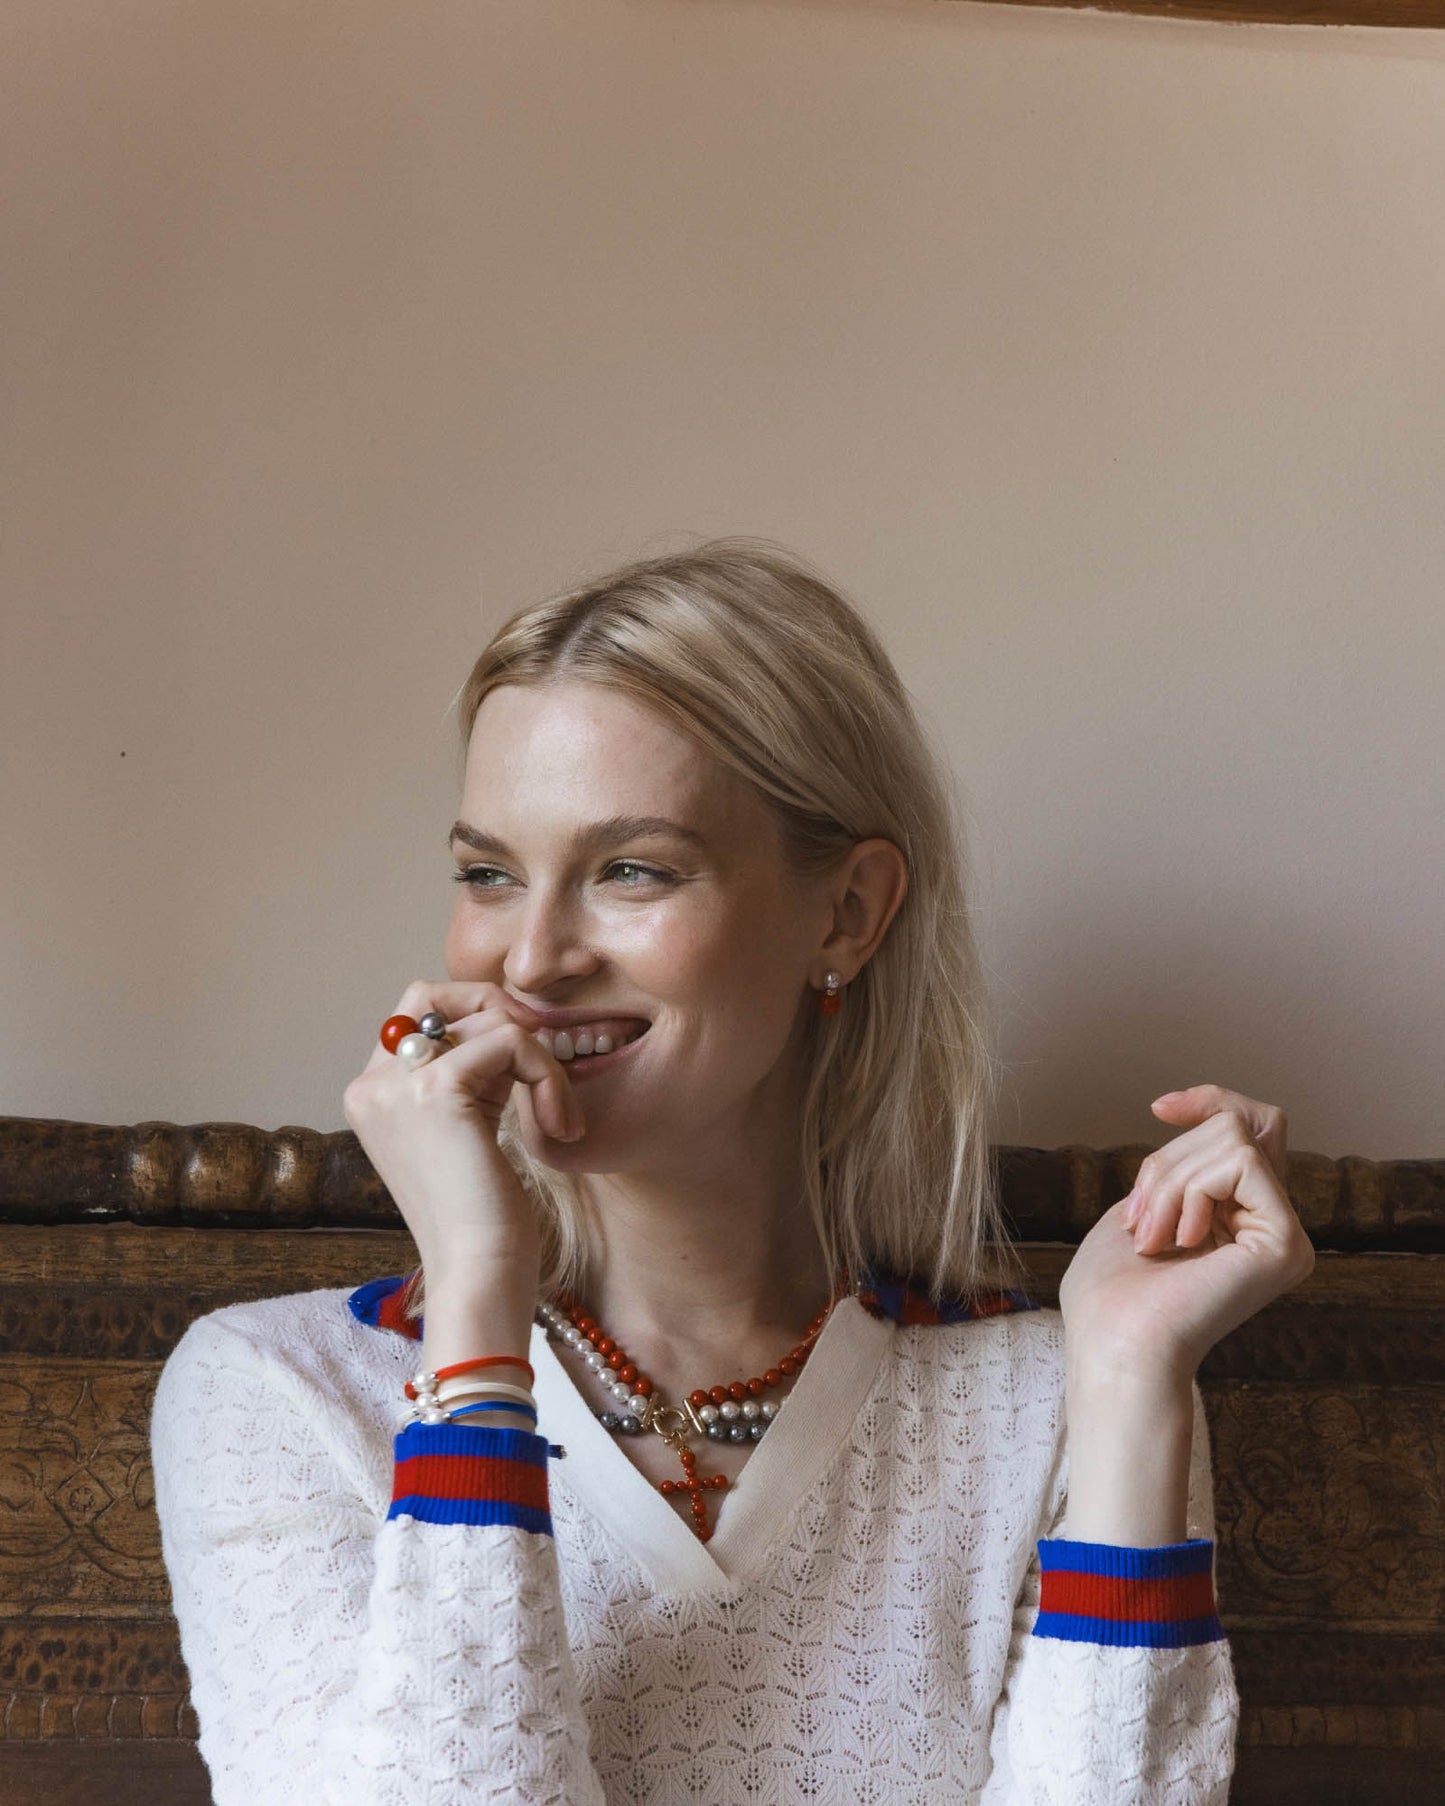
(565, 1044)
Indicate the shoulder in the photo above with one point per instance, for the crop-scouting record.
(1006, 1335)
(274, 1399)
(313, 1340)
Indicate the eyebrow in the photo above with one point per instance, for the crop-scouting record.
(609, 833)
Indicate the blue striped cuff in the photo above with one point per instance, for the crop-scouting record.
(1160, 1598)
(467, 1474)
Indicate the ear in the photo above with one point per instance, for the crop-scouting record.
(867, 891)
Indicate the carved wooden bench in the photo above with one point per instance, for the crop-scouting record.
(1325, 1414)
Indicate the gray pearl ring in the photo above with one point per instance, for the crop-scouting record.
(433, 1039)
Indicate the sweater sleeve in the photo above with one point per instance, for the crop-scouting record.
(336, 1657)
(1119, 1684)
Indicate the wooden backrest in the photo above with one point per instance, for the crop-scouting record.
(1324, 1410)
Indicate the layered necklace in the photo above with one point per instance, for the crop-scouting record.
(734, 1412)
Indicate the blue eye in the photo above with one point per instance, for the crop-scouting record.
(645, 872)
(491, 877)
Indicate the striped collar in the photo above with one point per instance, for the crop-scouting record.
(378, 1304)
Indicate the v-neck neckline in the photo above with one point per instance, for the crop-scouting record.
(786, 1463)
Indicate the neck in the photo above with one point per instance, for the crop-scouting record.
(705, 1280)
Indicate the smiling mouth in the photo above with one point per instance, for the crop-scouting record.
(589, 1041)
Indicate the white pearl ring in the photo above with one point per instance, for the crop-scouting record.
(431, 1040)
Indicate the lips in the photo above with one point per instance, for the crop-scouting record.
(578, 1017)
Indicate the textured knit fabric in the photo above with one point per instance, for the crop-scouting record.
(889, 1610)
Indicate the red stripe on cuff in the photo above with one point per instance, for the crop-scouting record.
(1124, 1600)
(470, 1477)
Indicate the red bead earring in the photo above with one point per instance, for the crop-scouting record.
(829, 1002)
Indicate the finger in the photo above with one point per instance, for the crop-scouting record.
(1168, 1165)
(456, 1001)
(1198, 1214)
(454, 998)
(1238, 1187)
(507, 1049)
(1266, 1123)
(1166, 1175)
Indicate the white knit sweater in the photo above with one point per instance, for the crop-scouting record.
(452, 1614)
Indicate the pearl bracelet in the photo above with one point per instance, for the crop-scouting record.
(431, 1400)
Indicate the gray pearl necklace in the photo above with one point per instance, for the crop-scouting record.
(730, 1421)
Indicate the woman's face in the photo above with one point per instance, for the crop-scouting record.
(615, 869)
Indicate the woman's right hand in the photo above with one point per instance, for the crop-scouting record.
(431, 1131)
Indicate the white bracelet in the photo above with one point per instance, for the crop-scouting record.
(451, 1390)
(432, 1398)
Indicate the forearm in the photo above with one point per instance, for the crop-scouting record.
(1129, 1440)
(338, 1661)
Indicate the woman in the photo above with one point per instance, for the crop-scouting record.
(737, 1469)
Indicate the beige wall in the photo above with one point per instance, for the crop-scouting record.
(1100, 358)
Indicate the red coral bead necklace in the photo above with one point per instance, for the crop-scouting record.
(735, 1412)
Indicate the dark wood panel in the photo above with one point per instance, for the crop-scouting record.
(1325, 1416)
(1395, 1674)
(122, 1292)
(142, 1774)
(90, 1774)
(1313, 1774)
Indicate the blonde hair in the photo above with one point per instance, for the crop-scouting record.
(773, 672)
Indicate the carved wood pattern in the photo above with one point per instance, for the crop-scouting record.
(233, 1175)
(78, 1526)
(93, 1678)
(1330, 1504)
(1324, 1415)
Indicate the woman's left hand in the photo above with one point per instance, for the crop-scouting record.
(1133, 1298)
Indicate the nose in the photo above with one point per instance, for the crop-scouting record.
(547, 946)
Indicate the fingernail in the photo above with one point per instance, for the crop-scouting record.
(1133, 1202)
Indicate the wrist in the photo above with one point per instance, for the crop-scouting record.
(462, 1268)
(1130, 1438)
(1119, 1368)
(490, 1316)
